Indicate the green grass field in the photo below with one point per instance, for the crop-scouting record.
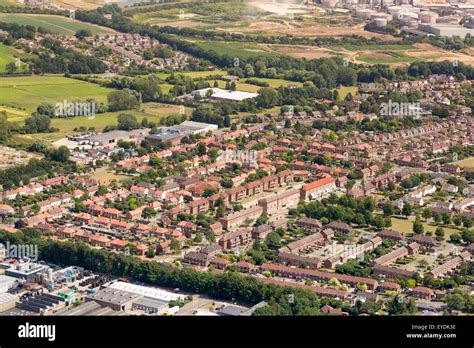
(275, 83)
(406, 226)
(9, 3)
(236, 49)
(467, 162)
(387, 47)
(392, 57)
(56, 24)
(6, 56)
(343, 91)
(30, 91)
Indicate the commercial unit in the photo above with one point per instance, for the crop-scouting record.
(222, 94)
(174, 134)
(448, 30)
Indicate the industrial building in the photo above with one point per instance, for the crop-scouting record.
(448, 30)
(174, 134)
(223, 94)
(25, 271)
(7, 301)
(115, 299)
(42, 303)
(91, 308)
(6, 283)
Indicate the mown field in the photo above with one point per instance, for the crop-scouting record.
(406, 226)
(237, 49)
(27, 92)
(467, 162)
(7, 55)
(392, 57)
(56, 24)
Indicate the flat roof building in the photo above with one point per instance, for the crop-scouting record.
(222, 94)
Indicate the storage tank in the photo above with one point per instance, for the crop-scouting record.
(428, 16)
(329, 3)
(380, 22)
(364, 13)
(410, 22)
(386, 16)
(394, 10)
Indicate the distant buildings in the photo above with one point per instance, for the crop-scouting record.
(174, 134)
(222, 94)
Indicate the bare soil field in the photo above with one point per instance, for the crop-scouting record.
(308, 52)
(10, 157)
(176, 24)
(269, 26)
(281, 9)
(428, 51)
(333, 31)
(77, 4)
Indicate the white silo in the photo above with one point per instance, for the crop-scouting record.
(380, 22)
(428, 16)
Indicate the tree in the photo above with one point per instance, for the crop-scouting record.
(362, 286)
(411, 283)
(175, 245)
(209, 191)
(201, 149)
(11, 68)
(37, 124)
(457, 220)
(102, 190)
(148, 213)
(227, 122)
(149, 89)
(418, 227)
(426, 214)
(455, 237)
(150, 253)
(407, 210)
(396, 306)
(220, 211)
(47, 109)
(83, 33)
(60, 154)
(267, 98)
(127, 122)
(439, 232)
(262, 219)
(446, 219)
(35, 209)
(334, 283)
(388, 209)
(124, 99)
(273, 240)
(455, 301)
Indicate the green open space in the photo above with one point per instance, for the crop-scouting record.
(27, 92)
(56, 24)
